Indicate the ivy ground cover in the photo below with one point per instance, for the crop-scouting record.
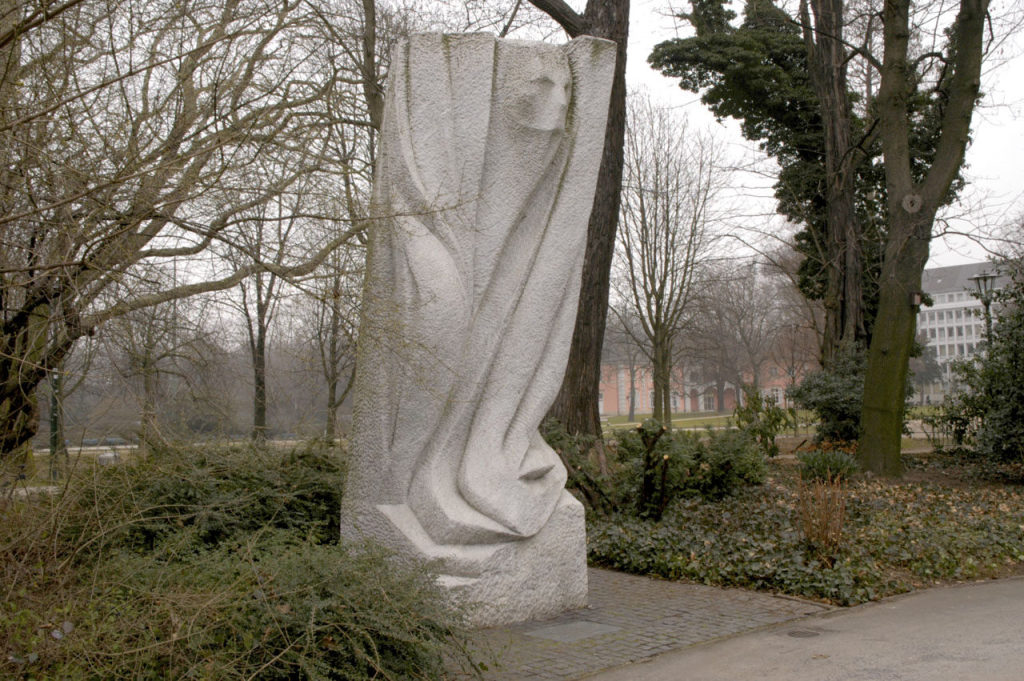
(896, 537)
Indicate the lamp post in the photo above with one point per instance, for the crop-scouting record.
(984, 281)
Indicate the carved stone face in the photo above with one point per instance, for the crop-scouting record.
(534, 87)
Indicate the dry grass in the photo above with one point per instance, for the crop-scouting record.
(822, 509)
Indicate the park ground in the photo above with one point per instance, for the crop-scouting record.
(175, 546)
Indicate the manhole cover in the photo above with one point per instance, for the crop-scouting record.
(802, 633)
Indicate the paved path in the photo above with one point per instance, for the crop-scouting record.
(964, 633)
(630, 618)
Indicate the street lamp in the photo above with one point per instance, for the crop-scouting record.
(984, 281)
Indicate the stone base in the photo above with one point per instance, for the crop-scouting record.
(495, 584)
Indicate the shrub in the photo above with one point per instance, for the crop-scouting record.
(1000, 384)
(826, 464)
(216, 493)
(763, 419)
(834, 394)
(656, 467)
(218, 563)
(822, 510)
(725, 460)
(988, 411)
(956, 419)
(584, 476)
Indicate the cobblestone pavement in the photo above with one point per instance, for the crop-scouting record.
(629, 619)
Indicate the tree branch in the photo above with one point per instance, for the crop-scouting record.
(565, 16)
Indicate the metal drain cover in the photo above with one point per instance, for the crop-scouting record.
(802, 633)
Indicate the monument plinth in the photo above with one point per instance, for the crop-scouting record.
(485, 177)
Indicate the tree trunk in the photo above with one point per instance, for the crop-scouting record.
(885, 380)
(259, 393)
(826, 54)
(576, 404)
(331, 429)
(632, 390)
(912, 208)
(373, 93)
(331, 372)
(149, 429)
(23, 366)
(662, 368)
(58, 447)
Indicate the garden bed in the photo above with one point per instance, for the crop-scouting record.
(947, 521)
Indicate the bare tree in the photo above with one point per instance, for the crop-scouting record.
(336, 321)
(128, 131)
(159, 350)
(748, 301)
(671, 182)
(270, 231)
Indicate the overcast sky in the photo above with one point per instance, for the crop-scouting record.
(996, 157)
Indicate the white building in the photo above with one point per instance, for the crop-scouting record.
(953, 326)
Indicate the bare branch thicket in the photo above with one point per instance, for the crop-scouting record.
(163, 356)
(672, 182)
(754, 318)
(138, 132)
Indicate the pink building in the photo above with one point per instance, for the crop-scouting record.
(691, 392)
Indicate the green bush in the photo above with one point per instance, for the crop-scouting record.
(826, 465)
(214, 493)
(218, 564)
(274, 607)
(987, 413)
(834, 395)
(955, 421)
(653, 470)
(763, 419)
(584, 475)
(1000, 384)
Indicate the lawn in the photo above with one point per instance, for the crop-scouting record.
(943, 523)
(698, 420)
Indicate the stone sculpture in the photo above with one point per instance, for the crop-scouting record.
(486, 173)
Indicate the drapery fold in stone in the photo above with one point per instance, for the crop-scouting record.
(485, 177)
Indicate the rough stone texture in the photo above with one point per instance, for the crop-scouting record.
(629, 619)
(486, 174)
